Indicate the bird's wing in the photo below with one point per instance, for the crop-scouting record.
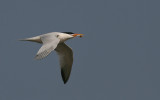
(66, 60)
(50, 42)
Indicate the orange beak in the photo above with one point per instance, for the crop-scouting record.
(80, 35)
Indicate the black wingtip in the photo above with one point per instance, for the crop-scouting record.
(63, 77)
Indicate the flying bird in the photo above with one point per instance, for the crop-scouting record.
(55, 41)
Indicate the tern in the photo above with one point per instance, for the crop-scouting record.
(55, 41)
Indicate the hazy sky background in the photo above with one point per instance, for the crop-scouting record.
(117, 59)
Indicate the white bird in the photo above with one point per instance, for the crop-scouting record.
(55, 41)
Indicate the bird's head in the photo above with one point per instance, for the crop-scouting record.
(68, 35)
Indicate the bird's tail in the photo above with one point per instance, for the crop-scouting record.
(32, 39)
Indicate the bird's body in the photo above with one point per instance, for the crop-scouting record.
(55, 41)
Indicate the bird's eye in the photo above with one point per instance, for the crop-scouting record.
(57, 35)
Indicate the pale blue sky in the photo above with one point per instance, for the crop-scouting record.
(117, 59)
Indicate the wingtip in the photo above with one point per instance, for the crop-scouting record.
(64, 82)
(63, 77)
(37, 57)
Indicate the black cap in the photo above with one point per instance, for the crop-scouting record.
(68, 32)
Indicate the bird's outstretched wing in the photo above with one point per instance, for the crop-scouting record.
(66, 60)
(50, 42)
